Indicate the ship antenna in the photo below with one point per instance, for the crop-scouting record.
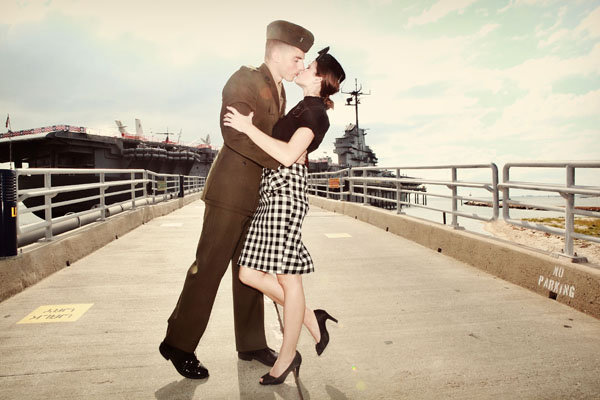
(8, 125)
(165, 133)
(354, 99)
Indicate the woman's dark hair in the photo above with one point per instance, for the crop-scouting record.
(332, 74)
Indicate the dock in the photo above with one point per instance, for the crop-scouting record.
(414, 323)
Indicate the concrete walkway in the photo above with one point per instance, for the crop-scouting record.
(414, 324)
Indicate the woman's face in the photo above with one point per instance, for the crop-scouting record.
(307, 77)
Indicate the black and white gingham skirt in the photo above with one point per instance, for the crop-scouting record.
(274, 240)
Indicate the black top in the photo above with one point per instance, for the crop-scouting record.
(310, 113)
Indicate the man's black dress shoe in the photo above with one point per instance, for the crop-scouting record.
(266, 356)
(185, 363)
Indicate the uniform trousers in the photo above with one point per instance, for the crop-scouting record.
(221, 241)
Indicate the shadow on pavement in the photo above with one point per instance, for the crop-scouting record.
(183, 389)
(249, 374)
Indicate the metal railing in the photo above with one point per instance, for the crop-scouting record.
(568, 190)
(94, 194)
(374, 183)
(366, 184)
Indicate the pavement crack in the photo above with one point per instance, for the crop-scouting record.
(70, 370)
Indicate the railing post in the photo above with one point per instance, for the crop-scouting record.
(151, 177)
(454, 199)
(8, 224)
(364, 187)
(48, 205)
(145, 178)
(398, 192)
(181, 186)
(496, 203)
(102, 198)
(351, 184)
(569, 215)
(505, 192)
(132, 190)
(326, 186)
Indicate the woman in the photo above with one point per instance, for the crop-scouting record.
(273, 243)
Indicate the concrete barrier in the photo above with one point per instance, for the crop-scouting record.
(576, 285)
(39, 260)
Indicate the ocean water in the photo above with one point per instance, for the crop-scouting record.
(487, 212)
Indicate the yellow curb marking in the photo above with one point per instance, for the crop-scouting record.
(337, 235)
(56, 313)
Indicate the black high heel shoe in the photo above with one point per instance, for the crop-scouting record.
(322, 317)
(268, 379)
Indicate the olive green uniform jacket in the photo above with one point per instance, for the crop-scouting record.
(231, 195)
(234, 177)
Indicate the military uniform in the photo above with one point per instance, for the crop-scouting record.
(231, 195)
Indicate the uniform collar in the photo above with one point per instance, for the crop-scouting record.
(273, 86)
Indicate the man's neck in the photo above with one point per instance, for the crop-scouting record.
(275, 76)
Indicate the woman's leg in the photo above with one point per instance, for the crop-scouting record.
(270, 286)
(293, 315)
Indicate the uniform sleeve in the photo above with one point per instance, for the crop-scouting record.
(316, 119)
(239, 92)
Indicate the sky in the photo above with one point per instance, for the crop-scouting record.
(450, 81)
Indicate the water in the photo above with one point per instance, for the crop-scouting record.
(487, 212)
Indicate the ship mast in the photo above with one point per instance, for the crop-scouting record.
(354, 99)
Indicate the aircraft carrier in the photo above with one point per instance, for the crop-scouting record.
(70, 146)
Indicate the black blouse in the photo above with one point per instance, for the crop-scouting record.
(310, 112)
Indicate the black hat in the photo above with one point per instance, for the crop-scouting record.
(292, 34)
(326, 60)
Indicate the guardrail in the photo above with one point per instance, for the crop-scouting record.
(385, 186)
(568, 191)
(94, 194)
(370, 184)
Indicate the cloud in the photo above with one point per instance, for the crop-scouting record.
(538, 74)
(440, 97)
(554, 37)
(590, 26)
(438, 11)
(516, 3)
(487, 29)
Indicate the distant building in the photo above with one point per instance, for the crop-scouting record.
(322, 164)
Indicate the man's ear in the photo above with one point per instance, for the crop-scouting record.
(318, 79)
(276, 54)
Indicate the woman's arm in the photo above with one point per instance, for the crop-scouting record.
(285, 153)
(241, 91)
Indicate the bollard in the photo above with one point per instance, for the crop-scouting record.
(8, 225)
(181, 187)
(1, 215)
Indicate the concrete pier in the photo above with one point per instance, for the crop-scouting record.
(413, 323)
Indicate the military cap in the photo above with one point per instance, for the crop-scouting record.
(327, 61)
(290, 33)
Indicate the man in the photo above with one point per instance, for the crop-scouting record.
(231, 196)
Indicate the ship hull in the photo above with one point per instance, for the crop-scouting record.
(66, 149)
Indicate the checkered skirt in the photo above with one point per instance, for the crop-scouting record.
(274, 240)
